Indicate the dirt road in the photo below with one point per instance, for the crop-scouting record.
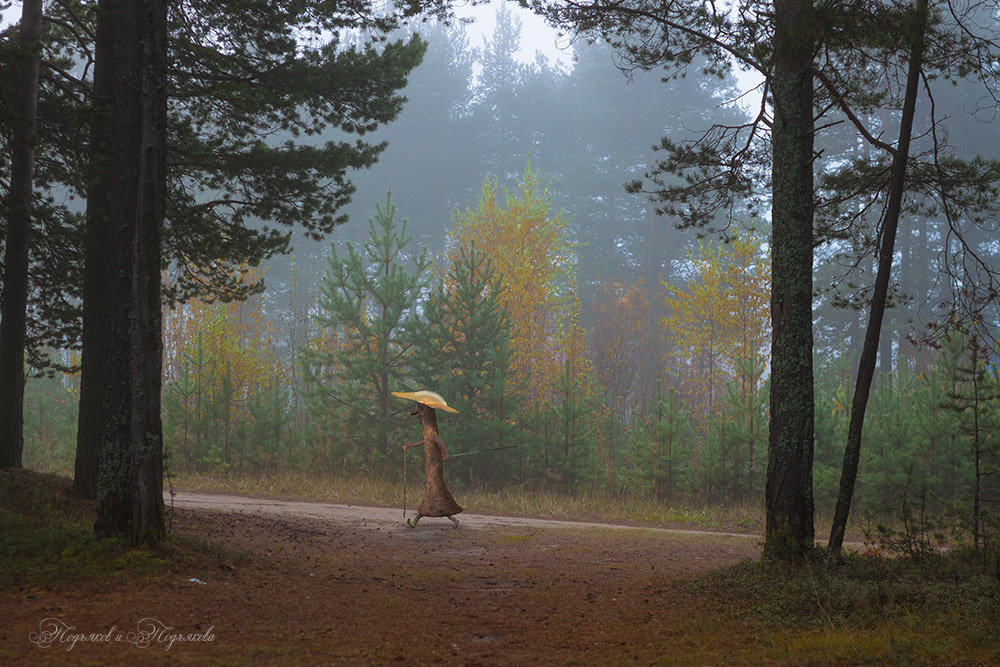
(313, 583)
(392, 518)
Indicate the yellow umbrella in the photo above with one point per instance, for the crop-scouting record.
(428, 398)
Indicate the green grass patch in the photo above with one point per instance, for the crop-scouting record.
(941, 609)
(47, 539)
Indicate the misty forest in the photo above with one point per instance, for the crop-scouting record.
(735, 255)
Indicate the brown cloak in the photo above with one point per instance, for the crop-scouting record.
(437, 500)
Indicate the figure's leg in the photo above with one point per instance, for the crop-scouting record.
(454, 520)
(412, 523)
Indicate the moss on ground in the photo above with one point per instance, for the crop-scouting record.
(943, 609)
(47, 538)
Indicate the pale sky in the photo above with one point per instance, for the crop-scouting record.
(11, 14)
(535, 35)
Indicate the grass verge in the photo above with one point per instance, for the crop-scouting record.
(941, 610)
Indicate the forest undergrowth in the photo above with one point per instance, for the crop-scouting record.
(870, 606)
(47, 539)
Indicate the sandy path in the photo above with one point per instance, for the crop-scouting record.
(388, 517)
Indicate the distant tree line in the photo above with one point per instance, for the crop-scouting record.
(511, 356)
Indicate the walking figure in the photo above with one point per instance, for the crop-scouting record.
(437, 499)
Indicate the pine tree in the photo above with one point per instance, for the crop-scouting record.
(576, 420)
(974, 395)
(893, 439)
(367, 299)
(834, 377)
(462, 349)
(820, 68)
(665, 447)
(738, 435)
(245, 87)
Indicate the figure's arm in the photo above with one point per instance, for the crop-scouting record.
(441, 448)
(412, 444)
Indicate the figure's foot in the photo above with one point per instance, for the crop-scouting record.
(454, 520)
(412, 523)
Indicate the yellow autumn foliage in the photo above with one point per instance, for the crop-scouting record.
(236, 341)
(719, 320)
(527, 245)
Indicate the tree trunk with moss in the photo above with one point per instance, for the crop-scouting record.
(789, 500)
(119, 425)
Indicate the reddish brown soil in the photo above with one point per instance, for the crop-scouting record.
(303, 583)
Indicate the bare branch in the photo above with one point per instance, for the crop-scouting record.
(849, 112)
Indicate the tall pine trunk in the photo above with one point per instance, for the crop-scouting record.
(119, 427)
(869, 353)
(14, 296)
(147, 341)
(100, 322)
(789, 500)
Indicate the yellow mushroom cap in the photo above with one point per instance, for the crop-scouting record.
(428, 398)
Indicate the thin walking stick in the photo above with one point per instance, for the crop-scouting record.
(404, 482)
